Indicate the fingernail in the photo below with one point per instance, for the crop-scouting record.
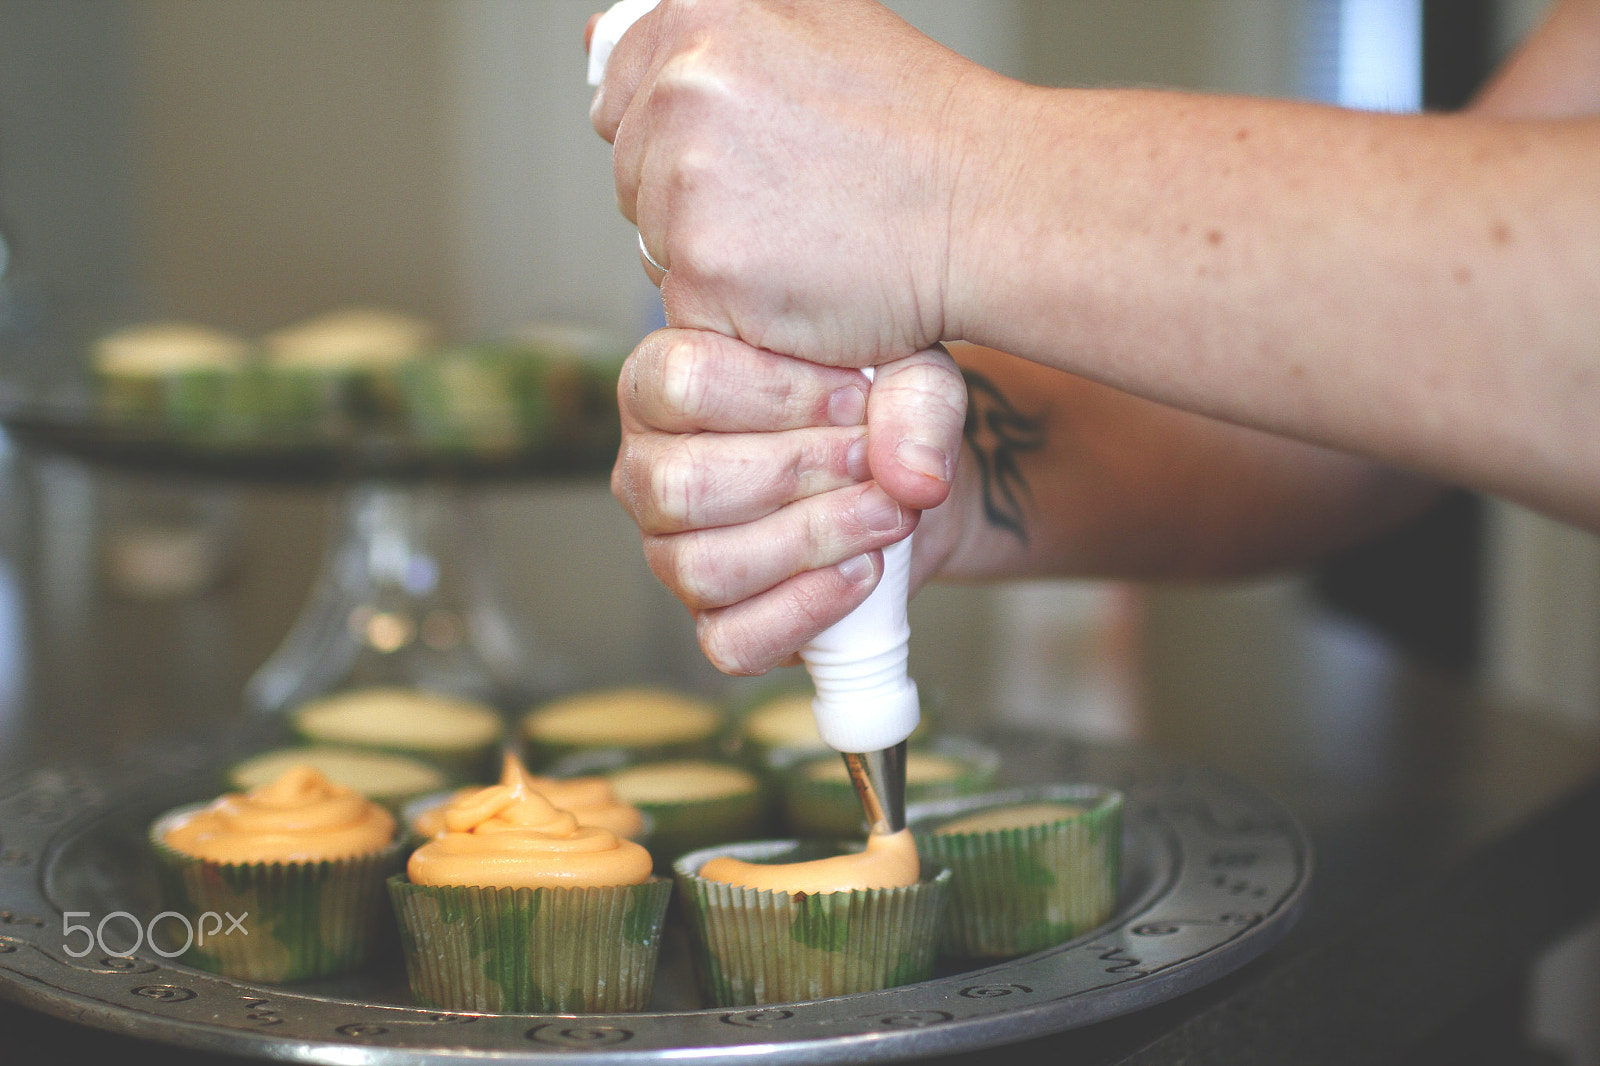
(856, 459)
(877, 511)
(847, 406)
(924, 459)
(856, 570)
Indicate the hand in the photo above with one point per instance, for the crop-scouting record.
(792, 166)
(763, 498)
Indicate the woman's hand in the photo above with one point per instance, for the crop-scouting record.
(793, 167)
(762, 495)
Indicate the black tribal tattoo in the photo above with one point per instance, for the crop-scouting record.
(998, 434)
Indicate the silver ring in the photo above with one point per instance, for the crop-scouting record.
(648, 258)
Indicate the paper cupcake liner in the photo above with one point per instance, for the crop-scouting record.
(759, 947)
(295, 920)
(1016, 891)
(530, 950)
(831, 810)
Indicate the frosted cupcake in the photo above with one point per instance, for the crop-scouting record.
(590, 799)
(300, 861)
(516, 908)
(640, 721)
(780, 922)
(1031, 867)
(460, 736)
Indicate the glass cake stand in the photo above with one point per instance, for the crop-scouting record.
(403, 596)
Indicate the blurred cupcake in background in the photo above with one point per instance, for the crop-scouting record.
(462, 737)
(384, 777)
(818, 800)
(641, 722)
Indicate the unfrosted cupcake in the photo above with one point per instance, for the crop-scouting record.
(387, 778)
(460, 736)
(516, 908)
(642, 722)
(177, 377)
(591, 799)
(299, 861)
(819, 800)
(781, 921)
(1031, 867)
(692, 803)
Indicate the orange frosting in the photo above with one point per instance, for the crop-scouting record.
(590, 799)
(510, 836)
(299, 817)
(889, 861)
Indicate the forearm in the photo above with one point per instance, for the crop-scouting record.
(1424, 290)
(1064, 476)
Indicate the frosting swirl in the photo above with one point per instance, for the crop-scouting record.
(591, 800)
(888, 861)
(300, 816)
(510, 836)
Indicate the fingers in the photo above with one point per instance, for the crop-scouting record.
(768, 630)
(669, 483)
(917, 409)
(625, 69)
(718, 566)
(686, 381)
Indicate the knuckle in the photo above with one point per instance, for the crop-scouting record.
(674, 484)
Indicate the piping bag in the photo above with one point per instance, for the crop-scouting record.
(866, 705)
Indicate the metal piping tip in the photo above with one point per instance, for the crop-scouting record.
(880, 781)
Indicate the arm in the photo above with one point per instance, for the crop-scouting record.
(1422, 290)
(1111, 484)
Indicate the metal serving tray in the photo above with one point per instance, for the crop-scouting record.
(1214, 873)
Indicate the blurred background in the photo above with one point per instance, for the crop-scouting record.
(246, 165)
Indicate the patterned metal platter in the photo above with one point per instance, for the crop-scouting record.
(1214, 873)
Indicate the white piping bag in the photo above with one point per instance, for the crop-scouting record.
(866, 705)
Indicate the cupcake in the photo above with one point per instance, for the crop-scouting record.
(643, 722)
(516, 908)
(343, 368)
(300, 862)
(1031, 867)
(460, 736)
(819, 800)
(780, 921)
(176, 377)
(384, 777)
(590, 799)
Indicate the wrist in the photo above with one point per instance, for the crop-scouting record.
(991, 157)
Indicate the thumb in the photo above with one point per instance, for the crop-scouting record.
(916, 410)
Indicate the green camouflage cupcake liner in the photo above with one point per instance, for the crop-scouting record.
(1016, 891)
(762, 947)
(276, 921)
(829, 809)
(531, 950)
